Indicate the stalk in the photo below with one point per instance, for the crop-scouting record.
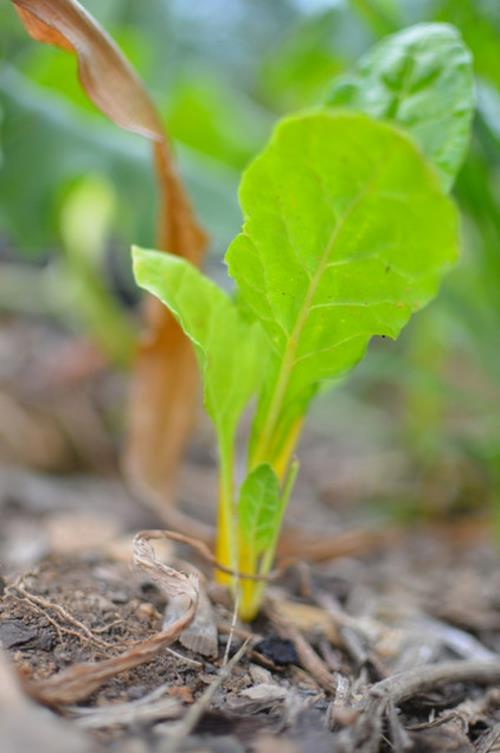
(277, 448)
(226, 545)
(281, 462)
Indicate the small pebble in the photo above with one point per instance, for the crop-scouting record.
(119, 597)
(259, 675)
(145, 612)
(15, 633)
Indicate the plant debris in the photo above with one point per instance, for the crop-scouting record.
(285, 676)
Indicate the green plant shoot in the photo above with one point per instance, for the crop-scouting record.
(348, 230)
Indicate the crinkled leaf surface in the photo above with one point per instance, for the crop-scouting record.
(347, 232)
(259, 508)
(422, 79)
(231, 349)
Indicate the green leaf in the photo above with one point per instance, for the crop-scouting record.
(230, 347)
(259, 508)
(211, 118)
(347, 232)
(422, 79)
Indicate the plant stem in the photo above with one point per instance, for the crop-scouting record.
(279, 447)
(226, 547)
(282, 460)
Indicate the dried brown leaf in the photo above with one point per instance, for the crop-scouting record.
(165, 379)
(201, 637)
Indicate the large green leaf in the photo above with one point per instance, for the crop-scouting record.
(230, 347)
(422, 79)
(347, 232)
(259, 508)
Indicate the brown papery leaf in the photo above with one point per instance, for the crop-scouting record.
(165, 381)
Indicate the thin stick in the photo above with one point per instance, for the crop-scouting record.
(153, 706)
(245, 635)
(185, 659)
(193, 716)
(404, 685)
(233, 625)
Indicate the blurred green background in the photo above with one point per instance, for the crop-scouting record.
(221, 72)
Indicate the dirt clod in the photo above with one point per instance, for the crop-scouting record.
(14, 633)
(281, 651)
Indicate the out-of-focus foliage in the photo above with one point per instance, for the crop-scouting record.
(222, 71)
(85, 218)
(403, 79)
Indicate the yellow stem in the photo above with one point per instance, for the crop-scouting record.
(281, 463)
(247, 566)
(226, 544)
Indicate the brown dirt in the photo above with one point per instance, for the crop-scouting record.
(416, 604)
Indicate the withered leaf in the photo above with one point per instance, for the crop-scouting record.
(164, 382)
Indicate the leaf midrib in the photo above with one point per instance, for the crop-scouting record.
(289, 358)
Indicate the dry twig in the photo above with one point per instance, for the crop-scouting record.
(404, 685)
(153, 706)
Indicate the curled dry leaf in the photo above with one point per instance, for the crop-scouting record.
(165, 383)
(81, 680)
(201, 637)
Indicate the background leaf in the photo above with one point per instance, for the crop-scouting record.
(346, 234)
(422, 79)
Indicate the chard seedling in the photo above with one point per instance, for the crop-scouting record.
(347, 232)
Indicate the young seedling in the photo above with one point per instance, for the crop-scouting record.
(347, 232)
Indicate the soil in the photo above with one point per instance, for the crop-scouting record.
(390, 643)
(423, 602)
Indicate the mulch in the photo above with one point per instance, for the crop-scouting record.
(393, 650)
